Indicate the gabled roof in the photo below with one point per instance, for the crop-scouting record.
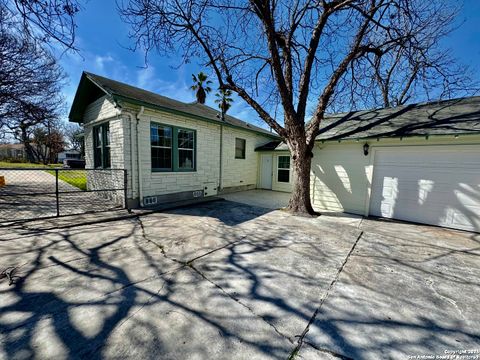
(448, 117)
(93, 86)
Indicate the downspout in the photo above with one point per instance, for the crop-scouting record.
(140, 185)
(132, 162)
(220, 174)
(220, 178)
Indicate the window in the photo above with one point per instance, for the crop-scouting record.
(172, 148)
(186, 142)
(239, 148)
(283, 174)
(101, 146)
(161, 143)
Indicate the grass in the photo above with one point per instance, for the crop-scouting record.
(6, 164)
(77, 178)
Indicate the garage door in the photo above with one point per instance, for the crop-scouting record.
(428, 184)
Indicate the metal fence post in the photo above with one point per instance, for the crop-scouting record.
(56, 193)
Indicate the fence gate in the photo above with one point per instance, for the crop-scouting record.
(27, 194)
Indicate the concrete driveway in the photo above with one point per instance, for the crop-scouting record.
(230, 281)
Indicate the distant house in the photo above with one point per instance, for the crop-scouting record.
(417, 162)
(171, 150)
(68, 154)
(12, 151)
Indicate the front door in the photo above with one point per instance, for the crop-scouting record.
(266, 168)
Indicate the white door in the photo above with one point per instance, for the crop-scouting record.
(266, 170)
(438, 185)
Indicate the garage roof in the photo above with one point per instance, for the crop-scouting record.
(449, 117)
(93, 86)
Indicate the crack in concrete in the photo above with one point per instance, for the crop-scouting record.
(323, 350)
(241, 303)
(300, 341)
(160, 246)
(93, 300)
(148, 302)
(187, 262)
(214, 250)
(449, 300)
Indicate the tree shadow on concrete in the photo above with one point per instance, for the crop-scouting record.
(73, 282)
(123, 289)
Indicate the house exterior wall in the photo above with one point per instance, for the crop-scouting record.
(12, 151)
(237, 173)
(100, 109)
(276, 185)
(240, 173)
(207, 154)
(341, 174)
(97, 113)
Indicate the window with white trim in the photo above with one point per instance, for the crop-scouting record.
(283, 169)
(101, 146)
(172, 148)
(240, 145)
(161, 142)
(186, 149)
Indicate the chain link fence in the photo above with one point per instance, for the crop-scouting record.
(27, 194)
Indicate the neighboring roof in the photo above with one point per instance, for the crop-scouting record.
(449, 117)
(118, 91)
(276, 145)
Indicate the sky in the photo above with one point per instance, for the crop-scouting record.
(104, 50)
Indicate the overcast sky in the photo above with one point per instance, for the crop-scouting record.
(103, 42)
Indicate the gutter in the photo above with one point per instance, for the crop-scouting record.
(139, 168)
(404, 137)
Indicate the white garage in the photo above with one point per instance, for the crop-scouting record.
(418, 163)
(437, 185)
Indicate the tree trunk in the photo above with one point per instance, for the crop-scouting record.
(300, 202)
(26, 143)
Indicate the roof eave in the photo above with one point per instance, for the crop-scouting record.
(118, 97)
(74, 115)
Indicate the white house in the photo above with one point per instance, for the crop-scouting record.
(68, 154)
(417, 162)
(170, 149)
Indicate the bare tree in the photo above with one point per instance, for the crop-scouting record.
(304, 55)
(73, 134)
(30, 85)
(46, 20)
(47, 143)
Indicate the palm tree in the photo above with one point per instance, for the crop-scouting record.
(224, 100)
(201, 86)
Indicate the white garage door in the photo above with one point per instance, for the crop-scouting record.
(428, 184)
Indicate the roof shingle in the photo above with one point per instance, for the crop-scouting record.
(449, 117)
